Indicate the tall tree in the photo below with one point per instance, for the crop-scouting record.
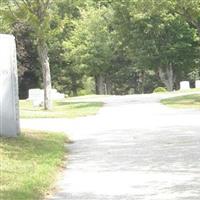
(37, 15)
(157, 38)
(29, 70)
(65, 77)
(89, 47)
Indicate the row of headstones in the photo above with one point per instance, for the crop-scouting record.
(185, 85)
(37, 96)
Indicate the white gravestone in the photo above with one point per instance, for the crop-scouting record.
(56, 95)
(37, 96)
(184, 85)
(9, 99)
(197, 84)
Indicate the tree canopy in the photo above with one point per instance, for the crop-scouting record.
(104, 46)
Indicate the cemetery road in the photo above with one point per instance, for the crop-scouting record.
(134, 149)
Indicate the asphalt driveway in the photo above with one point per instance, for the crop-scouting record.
(134, 149)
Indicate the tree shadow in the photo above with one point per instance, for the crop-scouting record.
(80, 104)
(20, 195)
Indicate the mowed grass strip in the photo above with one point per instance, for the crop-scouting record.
(61, 109)
(188, 90)
(186, 101)
(29, 164)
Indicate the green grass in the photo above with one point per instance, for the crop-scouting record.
(188, 91)
(186, 101)
(61, 109)
(89, 98)
(29, 164)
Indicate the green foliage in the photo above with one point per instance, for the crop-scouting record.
(122, 45)
(89, 46)
(157, 40)
(65, 77)
(89, 50)
(4, 21)
(190, 11)
(88, 86)
(159, 89)
(29, 71)
(33, 13)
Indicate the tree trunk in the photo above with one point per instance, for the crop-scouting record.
(74, 86)
(74, 92)
(108, 86)
(167, 77)
(141, 79)
(44, 60)
(100, 84)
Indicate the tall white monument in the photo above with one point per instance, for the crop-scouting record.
(9, 99)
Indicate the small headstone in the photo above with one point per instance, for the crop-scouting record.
(197, 84)
(37, 96)
(9, 99)
(184, 85)
(58, 96)
(34, 93)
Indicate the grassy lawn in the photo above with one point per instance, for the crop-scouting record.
(61, 109)
(186, 101)
(29, 164)
(188, 91)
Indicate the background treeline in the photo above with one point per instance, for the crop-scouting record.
(109, 46)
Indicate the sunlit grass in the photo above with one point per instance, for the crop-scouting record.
(29, 164)
(61, 109)
(186, 101)
(189, 90)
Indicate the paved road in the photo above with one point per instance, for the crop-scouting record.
(134, 149)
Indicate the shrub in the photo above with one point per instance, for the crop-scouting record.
(159, 89)
(88, 86)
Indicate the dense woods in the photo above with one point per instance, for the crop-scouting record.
(104, 46)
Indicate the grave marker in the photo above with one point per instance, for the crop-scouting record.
(184, 85)
(197, 84)
(37, 96)
(9, 99)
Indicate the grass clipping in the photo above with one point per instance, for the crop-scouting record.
(29, 164)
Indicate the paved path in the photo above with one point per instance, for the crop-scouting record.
(134, 149)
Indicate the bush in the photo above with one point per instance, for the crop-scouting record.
(159, 89)
(88, 86)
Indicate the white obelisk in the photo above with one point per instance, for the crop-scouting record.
(9, 98)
